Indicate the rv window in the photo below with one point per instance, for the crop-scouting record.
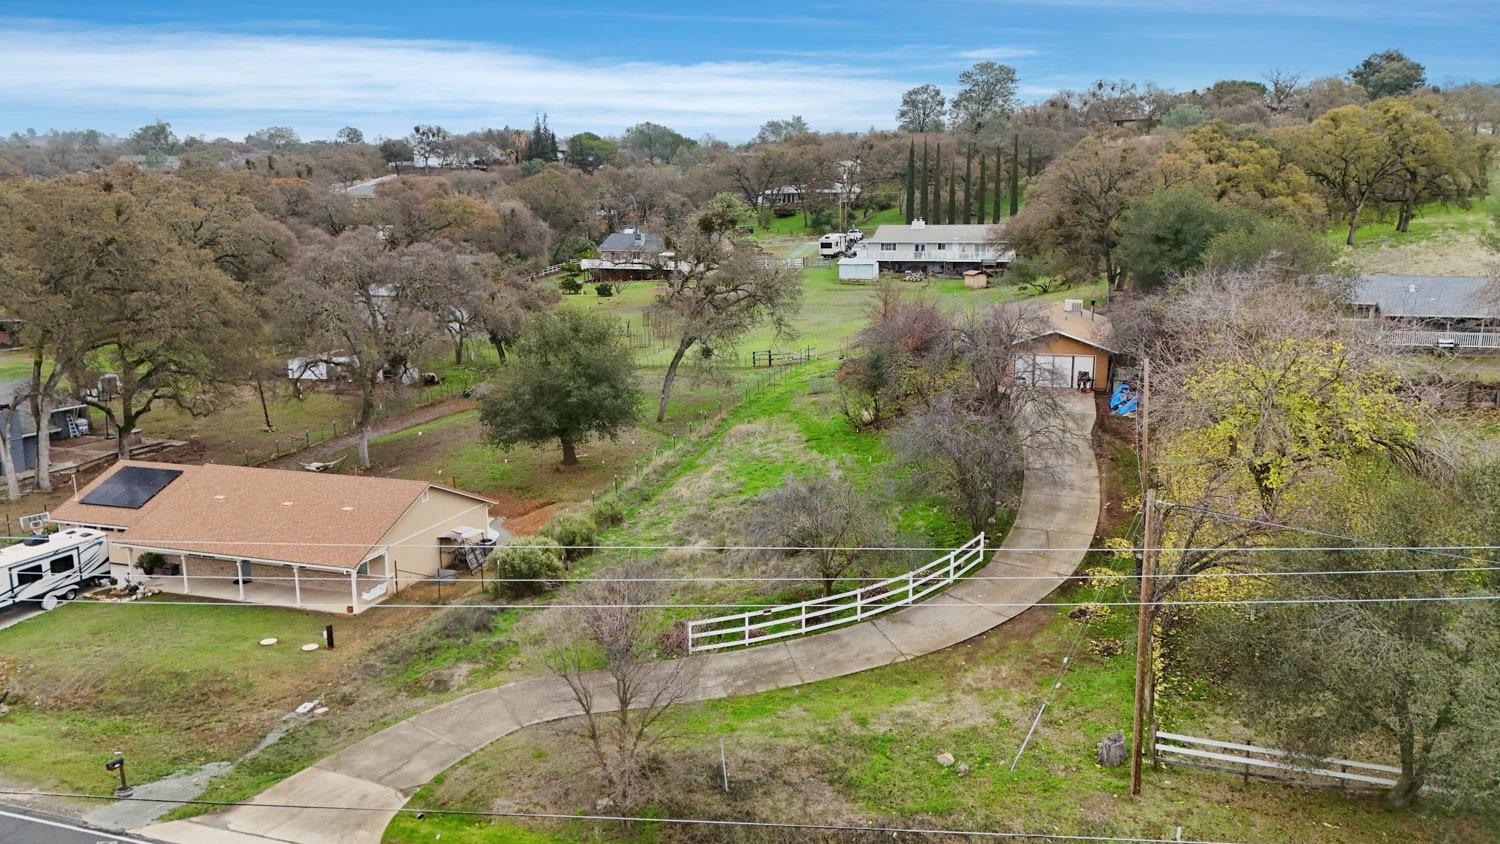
(61, 564)
(29, 575)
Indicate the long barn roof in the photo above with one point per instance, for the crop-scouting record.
(1429, 296)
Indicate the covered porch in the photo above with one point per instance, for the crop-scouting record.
(270, 583)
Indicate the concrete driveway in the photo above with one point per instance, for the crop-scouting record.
(350, 797)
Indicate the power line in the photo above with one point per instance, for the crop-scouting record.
(558, 816)
(1390, 599)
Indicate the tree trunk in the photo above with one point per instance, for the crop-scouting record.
(8, 460)
(666, 384)
(1354, 222)
(364, 445)
(458, 350)
(265, 410)
(366, 417)
(570, 452)
(41, 409)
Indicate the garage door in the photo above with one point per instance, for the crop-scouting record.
(1054, 370)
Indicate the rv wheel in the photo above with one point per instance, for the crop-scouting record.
(49, 603)
(70, 593)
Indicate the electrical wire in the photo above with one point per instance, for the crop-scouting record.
(558, 816)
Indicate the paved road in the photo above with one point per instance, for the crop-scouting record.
(24, 826)
(376, 775)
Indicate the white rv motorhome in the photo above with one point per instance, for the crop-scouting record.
(833, 245)
(55, 566)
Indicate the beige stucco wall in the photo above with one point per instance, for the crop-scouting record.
(413, 539)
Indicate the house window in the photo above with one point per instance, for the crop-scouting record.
(61, 564)
(919, 248)
(887, 247)
(942, 246)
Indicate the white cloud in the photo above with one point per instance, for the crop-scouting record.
(208, 79)
(997, 54)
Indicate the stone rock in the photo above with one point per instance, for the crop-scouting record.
(962, 768)
(945, 759)
(1111, 752)
(604, 804)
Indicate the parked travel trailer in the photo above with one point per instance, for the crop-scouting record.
(44, 569)
(833, 244)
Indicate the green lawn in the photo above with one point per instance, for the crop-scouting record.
(14, 363)
(832, 311)
(1436, 220)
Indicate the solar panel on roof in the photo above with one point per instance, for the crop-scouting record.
(131, 487)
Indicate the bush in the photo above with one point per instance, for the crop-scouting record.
(604, 289)
(151, 563)
(570, 285)
(607, 511)
(572, 529)
(537, 561)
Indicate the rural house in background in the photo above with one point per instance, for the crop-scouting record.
(936, 250)
(68, 419)
(1074, 340)
(626, 255)
(1433, 311)
(271, 536)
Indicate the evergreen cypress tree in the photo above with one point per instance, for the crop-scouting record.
(968, 185)
(1015, 175)
(911, 182)
(937, 190)
(984, 183)
(952, 194)
(999, 178)
(926, 175)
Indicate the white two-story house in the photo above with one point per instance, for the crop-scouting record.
(937, 249)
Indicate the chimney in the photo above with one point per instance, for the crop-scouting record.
(919, 223)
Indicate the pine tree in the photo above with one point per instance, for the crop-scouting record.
(1015, 175)
(926, 175)
(984, 183)
(911, 182)
(968, 185)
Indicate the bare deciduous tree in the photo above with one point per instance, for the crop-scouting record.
(822, 514)
(621, 705)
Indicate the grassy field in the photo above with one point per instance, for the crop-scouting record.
(832, 311)
(1443, 239)
(862, 750)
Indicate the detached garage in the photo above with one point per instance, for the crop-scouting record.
(1073, 341)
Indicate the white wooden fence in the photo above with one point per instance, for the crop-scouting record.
(1425, 339)
(779, 622)
(1248, 760)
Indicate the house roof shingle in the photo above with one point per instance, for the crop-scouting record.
(632, 241)
(1428, 296)
(1094, 329)
(275, 515)
(956, 233)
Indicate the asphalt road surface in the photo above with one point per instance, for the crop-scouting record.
(24, 826)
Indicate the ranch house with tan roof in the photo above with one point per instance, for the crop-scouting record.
(337, 543)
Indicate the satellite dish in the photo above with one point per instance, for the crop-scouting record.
(49, 603)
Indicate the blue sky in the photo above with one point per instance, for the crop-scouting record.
(227, 68)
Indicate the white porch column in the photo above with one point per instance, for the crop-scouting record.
(185, 588)
(239, 578)
(297, 585)
(354, 589)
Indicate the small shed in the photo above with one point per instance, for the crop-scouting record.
(858, 268)
(977, 279)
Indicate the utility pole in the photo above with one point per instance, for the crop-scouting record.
(1143, 645)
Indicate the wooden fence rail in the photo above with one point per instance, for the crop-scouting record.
(779, 622)
(1249, 760)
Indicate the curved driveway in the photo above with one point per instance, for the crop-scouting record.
(1059, 510)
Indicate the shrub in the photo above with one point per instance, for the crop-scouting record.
(151, 563)
(572, 529)
(536, 561)
(604, 289)
(607, 511)
(569, 285)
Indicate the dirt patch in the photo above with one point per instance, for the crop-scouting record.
(513, 506)
(529, 523)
